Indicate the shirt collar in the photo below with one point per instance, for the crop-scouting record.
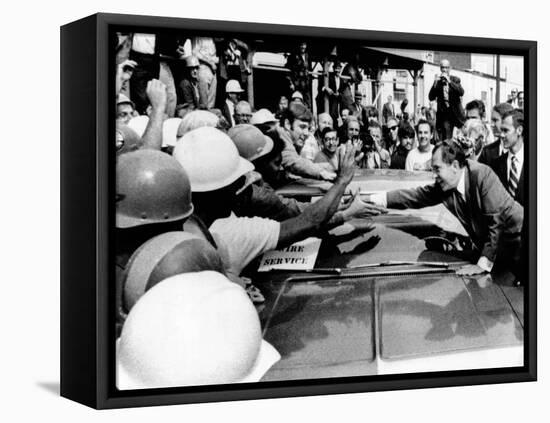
(519, 155)
(461, 187)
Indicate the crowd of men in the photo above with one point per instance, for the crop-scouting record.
(196, 202)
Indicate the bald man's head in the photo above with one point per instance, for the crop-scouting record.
(324, 120)
(445, 66)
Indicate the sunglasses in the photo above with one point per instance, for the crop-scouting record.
(393, 128)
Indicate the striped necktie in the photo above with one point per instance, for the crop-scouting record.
(513, 178)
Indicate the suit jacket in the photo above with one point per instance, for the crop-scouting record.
(455, 111)
(340, 99)
(489, 214)
(500, 167)
(227, 113)
(188, 94)
(489, 154)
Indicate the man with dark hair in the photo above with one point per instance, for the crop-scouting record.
(509, 166)
(406, 139)
(328, 153)
(420, 158)
(448, 92)
(474, 194)
(493, 151)
(475, 109)
(391, 138)
(296, 122)
(357, 108)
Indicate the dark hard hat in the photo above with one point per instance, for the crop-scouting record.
(164, 256)
(151, 187)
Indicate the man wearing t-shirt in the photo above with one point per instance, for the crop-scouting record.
(217, 173)
(420, 158)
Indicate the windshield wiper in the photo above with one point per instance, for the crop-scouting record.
(438, 264)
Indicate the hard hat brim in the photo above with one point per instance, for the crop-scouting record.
(267, 357)
(268, 147)
(243, 168)
(123, 221)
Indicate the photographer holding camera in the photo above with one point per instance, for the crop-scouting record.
(448, 92)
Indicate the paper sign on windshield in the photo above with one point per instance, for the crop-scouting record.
(298, 256)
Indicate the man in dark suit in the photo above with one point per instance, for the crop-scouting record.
(448, 92)
(338, 91)
(299, 79)
(509, 166)
(474, 194)
(357, 109)
(493, 151)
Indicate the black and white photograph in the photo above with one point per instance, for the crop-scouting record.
(275, 211)
(308, 208)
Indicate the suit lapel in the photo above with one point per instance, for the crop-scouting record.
(470, 190)
(501, 169)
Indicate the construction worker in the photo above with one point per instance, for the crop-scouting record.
(153, 196)
(192, 329)
(257, 197)
(166, 255)
(217, 172)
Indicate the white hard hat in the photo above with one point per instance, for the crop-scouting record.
(197, 119)
(124, 99)
(192, 329)
(138, 124)
(169, 131)
(297, 94)
(166, 255)
(262, 116)
(233, 86)
(210, 159)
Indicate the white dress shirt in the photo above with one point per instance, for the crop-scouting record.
(519, 161)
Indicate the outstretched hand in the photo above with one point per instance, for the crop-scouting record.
(347, 164)
(358, 209)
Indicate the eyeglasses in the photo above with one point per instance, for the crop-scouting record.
(393, 128)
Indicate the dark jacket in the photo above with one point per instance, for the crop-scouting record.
(399, 157)
(500, 167)
(490, 153)
(188, 94)
(454, 112)
(340, 99)
(489, 214)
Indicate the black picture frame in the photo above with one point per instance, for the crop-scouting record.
(87, 175)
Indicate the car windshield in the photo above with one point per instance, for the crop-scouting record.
(386, 299)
